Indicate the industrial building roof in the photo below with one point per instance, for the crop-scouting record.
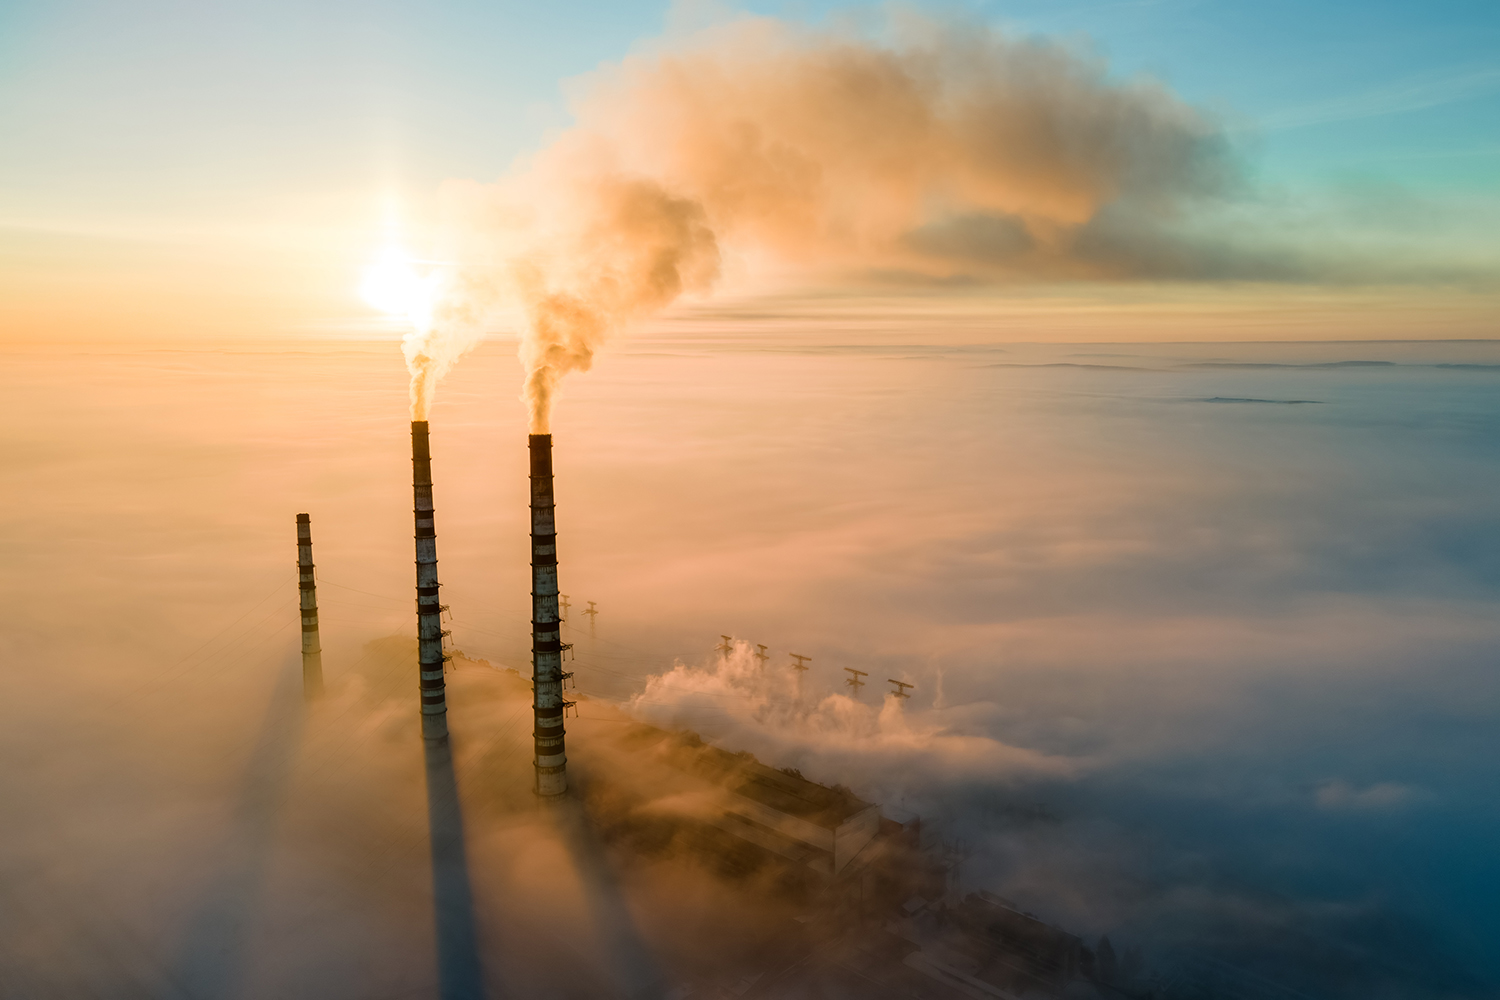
(784, 791)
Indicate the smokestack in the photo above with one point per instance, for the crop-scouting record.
(312, 649)
(546, 635)
(429, 611)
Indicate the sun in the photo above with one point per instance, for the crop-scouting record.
(395, 287)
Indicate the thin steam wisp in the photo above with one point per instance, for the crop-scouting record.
(444, 312)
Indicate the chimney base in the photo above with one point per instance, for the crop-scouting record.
(312, 675)
(435, 728)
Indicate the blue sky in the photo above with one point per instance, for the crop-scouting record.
(1402, 92)
(160, 106)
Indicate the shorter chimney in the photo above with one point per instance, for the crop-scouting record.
(312, 649)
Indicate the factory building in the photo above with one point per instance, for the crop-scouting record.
(817, 827)
(885, 913)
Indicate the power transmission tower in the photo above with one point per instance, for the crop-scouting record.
(801, 665)
(566, 604)
(725, 646)
(854, 681)
(760, 655)
(901, 686)
(592, 612)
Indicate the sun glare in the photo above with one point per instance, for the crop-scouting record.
(394, 286)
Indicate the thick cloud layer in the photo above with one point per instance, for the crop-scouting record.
(1214, 678)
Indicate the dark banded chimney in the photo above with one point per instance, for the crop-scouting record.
(546, 634)
(429, 610)
(307, 586)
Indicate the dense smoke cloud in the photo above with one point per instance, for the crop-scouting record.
(948, 152)
(951, 148)
(634, 248)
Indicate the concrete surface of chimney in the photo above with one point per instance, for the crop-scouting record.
(546, 627)
(429, 609)
(312, 649)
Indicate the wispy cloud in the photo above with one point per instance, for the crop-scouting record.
(1412, 94)
(1340, 795)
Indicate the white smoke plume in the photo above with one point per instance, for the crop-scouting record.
(447, 322)
(946, 151)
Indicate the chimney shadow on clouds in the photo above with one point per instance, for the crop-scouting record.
(626, 955)
(460, 973)
(211, 961)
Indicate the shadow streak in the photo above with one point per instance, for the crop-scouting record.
(627, 957)
(460, 975)
(210, 961)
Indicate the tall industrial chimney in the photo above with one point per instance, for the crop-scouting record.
(312, 649)
(429, 609)
(546, 635)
